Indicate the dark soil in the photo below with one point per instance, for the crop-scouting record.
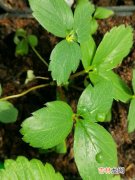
(113, 2)
(12, 76)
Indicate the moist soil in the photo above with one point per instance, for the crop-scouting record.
(12, 77)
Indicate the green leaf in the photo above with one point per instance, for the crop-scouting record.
(22, 48)
(22, 169)
(94, 147)
(133, 80)
(82, 17)
(54, 15)
(113, 48)
(94, 26)
(65, 59)
(48, 126)
(88, 49)
(95, 101)
(131, 116)
(21, 33)
(33, 40)
(103, 13)
(121, 91)
(82, 1)
(116, 177)
(109, 116)
(8, 113)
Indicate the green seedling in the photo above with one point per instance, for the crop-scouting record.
(23, 41)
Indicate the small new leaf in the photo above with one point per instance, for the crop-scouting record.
(94, 26)
(32, 40)
(131, 116)
(23, 169)
(95, 101)
(8, 113)
(94, 148)
(103, 13)
(65, 59)
(49, 126)
(115, 45)
(22, 48)
(54, 15)
(82, 17)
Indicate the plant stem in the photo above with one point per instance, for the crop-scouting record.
(78, 74)
(25, 92)
(40, 77)
(81, 72)
(39, 56)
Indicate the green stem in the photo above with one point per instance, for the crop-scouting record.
(81, 72)
(25, 92)
(78, 74)
(39, 56)
(40, 77)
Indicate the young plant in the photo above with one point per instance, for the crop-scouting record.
(49, 126)
(23, 41)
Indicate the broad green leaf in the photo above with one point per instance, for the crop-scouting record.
(109, 116)
(65, 59)
(116, 177)
(131, 116)
(121, 91)
(54, 15)
(48, 126)
(94, 26)
(8, 113)
(22, 48)
(0, 90)
(94, 147)
(82, 1)
(103, 13)
(82, 17)
(113, 48)
(23, 169)
(88, 49)
(95, 101)
(133, 80)
(33, 40)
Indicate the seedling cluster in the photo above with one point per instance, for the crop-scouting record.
(49, 126)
